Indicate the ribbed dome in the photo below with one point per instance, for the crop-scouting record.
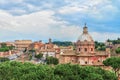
(85, 35)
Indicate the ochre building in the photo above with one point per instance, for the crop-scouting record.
(21, 45)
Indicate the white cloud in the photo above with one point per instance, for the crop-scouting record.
(97, 9)
(10, 1)
(103, 36)
(44, 24)
(6, 20)
(32, 7)
(70, 10)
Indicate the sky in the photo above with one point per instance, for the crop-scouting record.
(61, 20)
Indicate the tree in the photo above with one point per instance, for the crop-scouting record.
(100, 46)
(114, 62)
(4, 59)
(25, 50)
(39, 56)
(76, 72)
(32, 50)
(5, 48)
(108, 40)
(11, 47)
(3, 45)
(52, 60)
(63, 43)
(117, 50)
(118, 39)
(13, 70)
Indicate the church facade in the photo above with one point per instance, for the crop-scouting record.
(84, 53)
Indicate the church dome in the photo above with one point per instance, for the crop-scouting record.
(85, 35)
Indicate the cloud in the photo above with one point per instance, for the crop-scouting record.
(97, 9)
(58, 19)
(69, 10)
(97, 36)
(10, 1)
(16, 11)
(42, 23)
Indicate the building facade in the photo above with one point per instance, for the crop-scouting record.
(47, 49)
(85, 53)
(21, 45)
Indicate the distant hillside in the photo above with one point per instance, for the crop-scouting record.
(63, 43)
(114, 41)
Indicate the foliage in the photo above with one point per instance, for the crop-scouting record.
(100, 46)
(11, 47)
(25, 50)
(30, 56)
(5, 48)
(3, 45)
(39, 56)
(27, 71)
(3, 59)
(32, 50)
(114, 41)
(52, 60)
(114, 62)
(117, 50)
(63, 43)
(76, 72)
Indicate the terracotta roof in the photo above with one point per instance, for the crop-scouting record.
(69, 52)
(47, 50)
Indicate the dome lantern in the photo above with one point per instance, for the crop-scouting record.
(85, 30)
(85, 35)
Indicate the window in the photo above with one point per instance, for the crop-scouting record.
(72, 60)
(85, 49)
(91, 49)
(98, 60)
(85, 62)
(79, 49)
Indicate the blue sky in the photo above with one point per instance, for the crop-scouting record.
(58, 19)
